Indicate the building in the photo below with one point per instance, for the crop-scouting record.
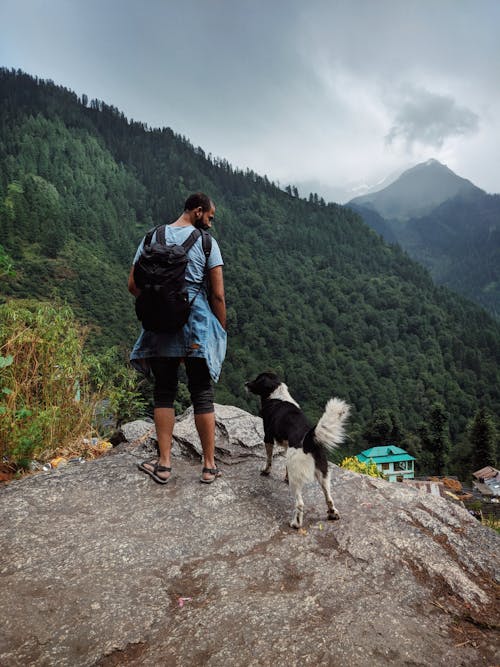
(392, 461)
(487, 481)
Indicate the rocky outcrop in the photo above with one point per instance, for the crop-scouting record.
(101, 566)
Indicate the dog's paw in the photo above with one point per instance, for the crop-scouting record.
(333, 515)
(265, 472)
(297, 519)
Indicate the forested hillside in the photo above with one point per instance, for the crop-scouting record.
(459, 242)
(312, 292)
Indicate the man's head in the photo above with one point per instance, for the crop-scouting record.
(200, 209)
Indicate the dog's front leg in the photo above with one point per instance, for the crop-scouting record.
(269, 451)
(298, 513)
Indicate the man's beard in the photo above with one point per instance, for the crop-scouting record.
(201, 224)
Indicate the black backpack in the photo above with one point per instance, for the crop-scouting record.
(160, 273)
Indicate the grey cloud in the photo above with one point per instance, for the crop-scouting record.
(303, 92)
(430, 119)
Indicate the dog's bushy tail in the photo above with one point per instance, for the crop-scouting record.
(330, 428)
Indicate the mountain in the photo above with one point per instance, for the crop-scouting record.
(312, 292)
(417, 191)
(458, 237)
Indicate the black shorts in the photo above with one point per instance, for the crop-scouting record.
(165, 372)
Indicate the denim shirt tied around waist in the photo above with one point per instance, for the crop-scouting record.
(202, 336)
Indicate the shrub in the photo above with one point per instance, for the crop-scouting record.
(6, 265)
(119, 384)
(354, 464)
(44, 400)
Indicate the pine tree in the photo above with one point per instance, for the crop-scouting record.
(483, 438)
(382, 429)
(436, 439)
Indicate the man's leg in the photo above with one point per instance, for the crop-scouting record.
(164, 423)
(165, 374)
(202, 397)
(205, 425)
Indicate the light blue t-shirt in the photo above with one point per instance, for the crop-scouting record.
(196, 265)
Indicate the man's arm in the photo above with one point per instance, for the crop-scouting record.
(217, 298)
(132, 287)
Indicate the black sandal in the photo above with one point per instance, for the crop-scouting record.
(154, 472)
(211, 471)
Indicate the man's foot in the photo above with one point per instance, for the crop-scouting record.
(209, 475)
(159, 473)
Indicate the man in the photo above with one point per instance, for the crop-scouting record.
(201, 344)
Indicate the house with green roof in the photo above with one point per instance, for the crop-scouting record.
(392, 461)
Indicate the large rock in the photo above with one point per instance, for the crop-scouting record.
(238, 435)
(101, 566)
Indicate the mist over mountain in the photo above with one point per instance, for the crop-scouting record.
(312, 291)
(417, 191)
(332, 192)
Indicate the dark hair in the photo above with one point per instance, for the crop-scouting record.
(198, 199)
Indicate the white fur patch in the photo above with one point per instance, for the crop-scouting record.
(281, 393)
(300, 467)
(330, 428)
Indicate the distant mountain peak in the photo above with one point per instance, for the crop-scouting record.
(417, 191)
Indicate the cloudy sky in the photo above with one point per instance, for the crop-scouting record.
(330, 96)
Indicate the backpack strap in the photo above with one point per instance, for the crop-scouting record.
(206, 241)
(160, 235)
(191, 239)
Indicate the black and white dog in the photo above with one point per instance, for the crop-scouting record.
(306, 447)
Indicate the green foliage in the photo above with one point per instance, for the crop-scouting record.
(44, 402)
(370, 468)
(436, 440)
(458, 241)
(118, 385)
(382, 429)
(6, 265)
(483, 439)
(183, 399)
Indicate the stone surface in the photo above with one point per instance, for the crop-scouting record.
(101, 566)
(137, 432)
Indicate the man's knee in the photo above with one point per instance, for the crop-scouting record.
(200, 386)
(203, 401)
(165, 385)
